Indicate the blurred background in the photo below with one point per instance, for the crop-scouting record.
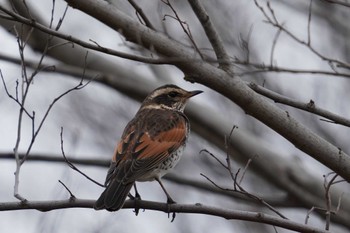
(94, 117)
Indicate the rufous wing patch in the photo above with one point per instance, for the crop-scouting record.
(163, 143)
(122, 147)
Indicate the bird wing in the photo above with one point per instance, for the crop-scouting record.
(140, 151)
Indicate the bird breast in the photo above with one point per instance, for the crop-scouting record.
(165, 167)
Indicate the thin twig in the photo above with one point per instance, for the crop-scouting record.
(61, 19)
(216, 185)
(327, 186)
(71, 165)
(139, 12)
(245, 170)
(272, 19)
(12, 97)
(212, 155)
(309, 24)
(261, 67)
(70, 193)
(227, 145)
(186, 30)
(52, 13)
(241, 190)
(328, 210)
(25, 84)
(274, 42)
(244, 44)
(27, 80)
(79, 86)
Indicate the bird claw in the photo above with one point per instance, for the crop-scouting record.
(135, 198)
(170, 202)
(173, 216)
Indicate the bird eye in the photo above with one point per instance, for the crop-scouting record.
(173, 94)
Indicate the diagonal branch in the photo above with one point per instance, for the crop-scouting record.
(24, 20)
(139, 12)
(212, 34)
(309, 107)
(71, 165)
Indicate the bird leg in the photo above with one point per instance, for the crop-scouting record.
(137, 195)
(135, 198)
(169, 199)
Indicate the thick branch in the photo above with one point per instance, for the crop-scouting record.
(178, 208)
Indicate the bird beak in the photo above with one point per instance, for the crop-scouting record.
(193, 93)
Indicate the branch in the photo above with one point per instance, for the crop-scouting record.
(34, 24)
(272, 19)
(139, 12)
(236, 184)
(186, 29)
(278, 69)
(309, 107)
(212, 34)
(59, 159)
(164, 207)
(71, 165)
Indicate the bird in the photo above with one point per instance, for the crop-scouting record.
(151, 145)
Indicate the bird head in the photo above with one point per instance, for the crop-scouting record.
(169, 97)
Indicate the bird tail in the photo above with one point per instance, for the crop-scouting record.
(113, 197)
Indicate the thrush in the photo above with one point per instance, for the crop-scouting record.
(151, 145)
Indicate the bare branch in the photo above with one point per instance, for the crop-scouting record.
(240, 189)
(71, 165)
(79, 86)
(327, 186)
(149, 60)
(274, 42)
(215, 157)
(139, 12)
(71, 194)
(309, 107)
(186, 30)
(272, 19)
(60, 21)
(25, 84)
(260, 68)
(164, 207)
(212, 35)
(309, 24)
